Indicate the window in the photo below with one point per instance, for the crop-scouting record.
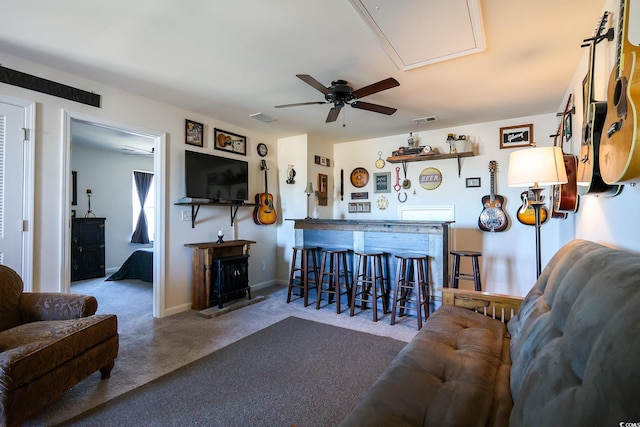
(141, 181)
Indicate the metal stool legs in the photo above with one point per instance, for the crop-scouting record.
(369, 280)
(411, 277)
(299, 275)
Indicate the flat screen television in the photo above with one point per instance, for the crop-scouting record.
(216, 178)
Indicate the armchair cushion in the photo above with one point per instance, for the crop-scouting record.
(10, 292)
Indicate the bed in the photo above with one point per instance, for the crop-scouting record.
(139, 265)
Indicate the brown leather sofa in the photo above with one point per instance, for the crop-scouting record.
(569, 357)
(48, 343)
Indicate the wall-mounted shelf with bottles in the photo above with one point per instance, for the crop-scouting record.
(427, 157)
(233, 206)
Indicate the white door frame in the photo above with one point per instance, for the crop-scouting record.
(28, 180)
(159, 160)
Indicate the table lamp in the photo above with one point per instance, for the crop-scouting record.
(308, 191)
(534, 168)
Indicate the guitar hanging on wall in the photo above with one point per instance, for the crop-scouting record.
(565, 196)
(527, 214)
(264, 213)
(594, 114)
(493, 217)
(620, 143)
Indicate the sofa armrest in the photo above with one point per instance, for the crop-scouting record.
(55, 306)
(497, 306)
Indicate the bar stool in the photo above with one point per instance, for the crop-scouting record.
(369, 279)
(300, 271)
(411, 276)
(337, 268)
(456, 276)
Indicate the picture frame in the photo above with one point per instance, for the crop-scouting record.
(229, 141)
(382, 182)
(473, 182)
(516, 136)
(316, 160)
(74, 188)
(193, 133)
(323, 184)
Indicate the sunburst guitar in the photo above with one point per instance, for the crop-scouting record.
(527, 214)
(264, 213)
(620, 142)
(493, 217)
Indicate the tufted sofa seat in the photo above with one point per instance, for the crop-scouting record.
(569, 357)
(48, 343)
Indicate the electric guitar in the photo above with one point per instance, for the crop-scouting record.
(527, 214)
(493, 217)
(620, 145)
(264, 213)
(594, 114)
(567, 194)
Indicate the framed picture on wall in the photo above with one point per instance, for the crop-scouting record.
(322, 189)
(382, 182)
(516, 136)
(228, 141)
(194, 133)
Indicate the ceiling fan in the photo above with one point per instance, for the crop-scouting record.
(340, 94)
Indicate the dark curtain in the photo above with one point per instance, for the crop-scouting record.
(143, 182)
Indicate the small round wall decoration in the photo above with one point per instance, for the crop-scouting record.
(430, 178)
(359, 177)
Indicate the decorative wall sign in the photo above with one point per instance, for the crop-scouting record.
(362, 195)
(322, 189)
(360, 207)
(473, 182)
(323, 161)
(430, 178)
(228, 141)
(262, 149)
(382, 182)
(516, 136)
(382, 203)
(359, 177)
(193, 133)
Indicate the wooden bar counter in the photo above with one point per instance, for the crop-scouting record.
(390, 236)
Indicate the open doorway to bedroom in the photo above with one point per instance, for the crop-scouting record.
(113, 238)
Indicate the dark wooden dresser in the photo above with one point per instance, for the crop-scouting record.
(87, 248)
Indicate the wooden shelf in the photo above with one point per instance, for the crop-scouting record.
(428, 157)
(233, 206)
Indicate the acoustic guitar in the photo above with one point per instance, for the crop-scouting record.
(567, 194)
(594, 113)
(620, 145)
(493, 217)
(264, 213)
(527, 214)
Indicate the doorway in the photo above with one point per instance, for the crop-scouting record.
(157, 144)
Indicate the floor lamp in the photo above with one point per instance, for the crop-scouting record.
(536, 168)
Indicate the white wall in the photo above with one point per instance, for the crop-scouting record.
(123, 107)
(108, 174)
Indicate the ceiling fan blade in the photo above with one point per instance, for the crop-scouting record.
(313, 83)
(333, 114)
(374, 107)
(376, 87)
(300, 103)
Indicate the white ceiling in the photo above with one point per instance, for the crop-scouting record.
(230, 59)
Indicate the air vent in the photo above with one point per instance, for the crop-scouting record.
(425, 120)
(263, 117)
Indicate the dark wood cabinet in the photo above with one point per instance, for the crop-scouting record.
(87, 248)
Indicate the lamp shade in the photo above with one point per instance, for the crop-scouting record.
(536, 167)
(309, 189)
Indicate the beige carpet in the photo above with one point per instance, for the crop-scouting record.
(152, 347)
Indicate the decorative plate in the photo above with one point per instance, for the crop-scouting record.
(262, 149)
(430, 178)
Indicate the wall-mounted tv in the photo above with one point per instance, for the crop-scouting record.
(215, 178)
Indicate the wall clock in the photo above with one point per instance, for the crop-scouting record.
(359, 177)
(379, 162)
(262, 149)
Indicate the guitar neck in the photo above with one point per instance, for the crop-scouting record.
(492, 194)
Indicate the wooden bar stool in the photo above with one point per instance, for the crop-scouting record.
(335, 275)
(456, 275)
(369, 280)
(301, 271)
(411, 277)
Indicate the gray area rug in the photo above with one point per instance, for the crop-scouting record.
(295, 371)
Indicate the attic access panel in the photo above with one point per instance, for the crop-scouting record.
(415, 33)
